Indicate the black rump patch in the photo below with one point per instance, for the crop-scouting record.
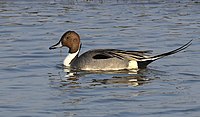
(101, 56)
(143, 64)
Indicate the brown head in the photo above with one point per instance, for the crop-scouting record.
(69, 39)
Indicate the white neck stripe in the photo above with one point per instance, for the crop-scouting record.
(69, 58)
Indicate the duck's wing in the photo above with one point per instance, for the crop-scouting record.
(135, 55)
(142, 55)
(121, 54)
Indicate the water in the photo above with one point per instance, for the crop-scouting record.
(32, 83)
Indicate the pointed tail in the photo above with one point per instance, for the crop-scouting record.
(145, 62)
(172, 52)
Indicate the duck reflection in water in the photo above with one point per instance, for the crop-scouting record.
(127, 77)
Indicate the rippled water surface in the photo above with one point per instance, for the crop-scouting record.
(32, 83)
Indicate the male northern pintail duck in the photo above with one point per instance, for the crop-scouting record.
(106, 59)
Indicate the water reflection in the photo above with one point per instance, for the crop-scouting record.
(81, 79)
(131, 80)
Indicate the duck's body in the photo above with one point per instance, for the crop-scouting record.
(106, 59)
(99, 59)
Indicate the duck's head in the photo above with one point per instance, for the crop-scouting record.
(69, 39)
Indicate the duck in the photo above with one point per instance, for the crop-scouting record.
(106, 59)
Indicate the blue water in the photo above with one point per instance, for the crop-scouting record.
(32, 83)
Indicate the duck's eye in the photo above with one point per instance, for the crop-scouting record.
(66, 38)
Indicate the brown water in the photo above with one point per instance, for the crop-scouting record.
(32, 83)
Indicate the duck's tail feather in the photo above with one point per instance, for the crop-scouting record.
(172, 52)
(145, 62)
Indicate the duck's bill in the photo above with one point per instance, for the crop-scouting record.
(58, 45)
